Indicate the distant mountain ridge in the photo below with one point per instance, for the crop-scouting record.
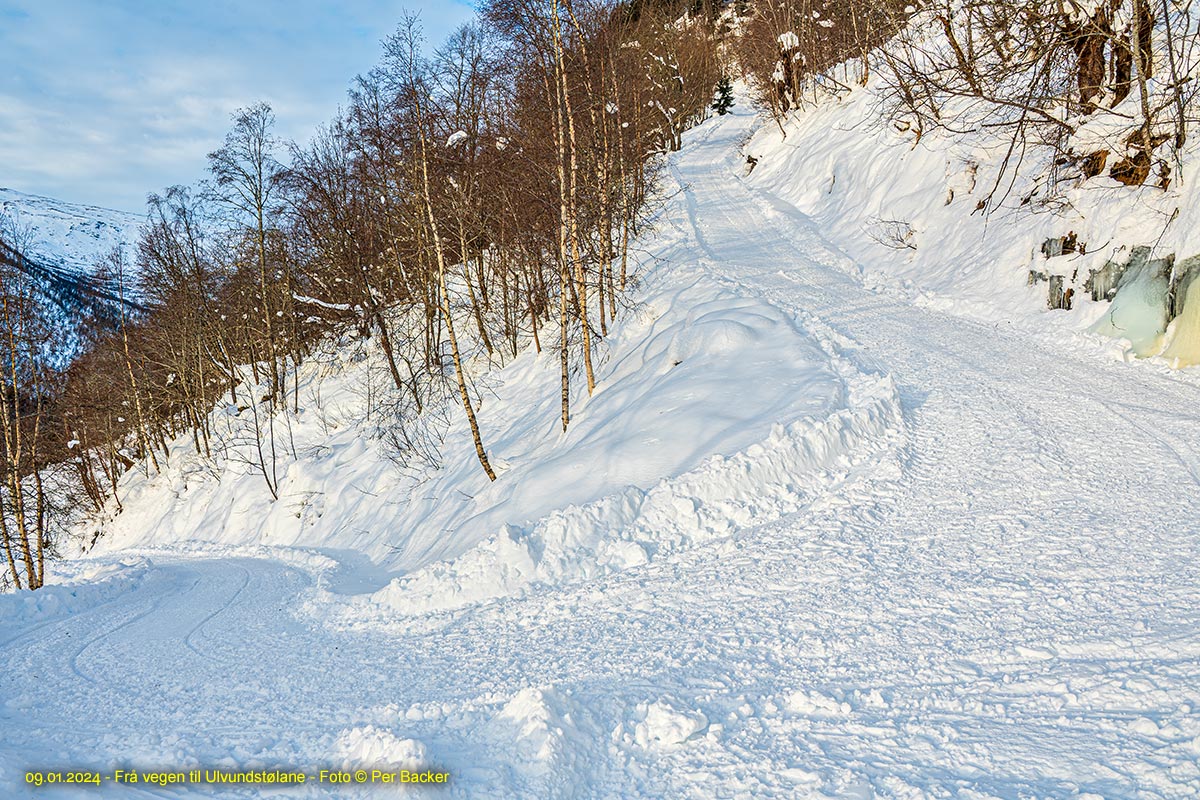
(66, 235)
(60, 244)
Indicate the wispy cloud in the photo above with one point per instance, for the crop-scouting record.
(104, 102)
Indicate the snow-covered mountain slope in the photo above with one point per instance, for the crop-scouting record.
(68, 235)
(809, 539)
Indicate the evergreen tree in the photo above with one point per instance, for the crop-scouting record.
(724, 100)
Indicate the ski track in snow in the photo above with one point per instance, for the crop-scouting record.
(1004, 604)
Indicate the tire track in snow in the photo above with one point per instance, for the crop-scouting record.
(1189, 464)
(187, 639)
(59, 621)
(73, 660)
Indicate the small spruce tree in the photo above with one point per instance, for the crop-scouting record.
(724, 100)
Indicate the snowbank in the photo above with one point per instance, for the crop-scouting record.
(783, 473)
(75, 587)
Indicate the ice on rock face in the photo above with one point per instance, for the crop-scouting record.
(1138, 311)
(1183, 338)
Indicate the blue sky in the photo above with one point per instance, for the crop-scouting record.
(103, 101)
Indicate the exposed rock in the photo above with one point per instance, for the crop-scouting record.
(1061, 245)
(1093, 163)
(1135, 168)
(1059, 299)
(1131, 171)
(1102, 283)
(1052, 247)
(1182, 276)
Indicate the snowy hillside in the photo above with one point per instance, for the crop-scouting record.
(674, 449)
(850, 535)
(910, 210)
(65, 234)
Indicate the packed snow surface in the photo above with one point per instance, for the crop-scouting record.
(809, 538)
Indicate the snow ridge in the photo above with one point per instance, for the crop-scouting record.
(784, 473)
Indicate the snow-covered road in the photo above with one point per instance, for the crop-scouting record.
(1007, 604)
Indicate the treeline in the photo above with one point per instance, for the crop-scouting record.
(468, 201)
(70, 289)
